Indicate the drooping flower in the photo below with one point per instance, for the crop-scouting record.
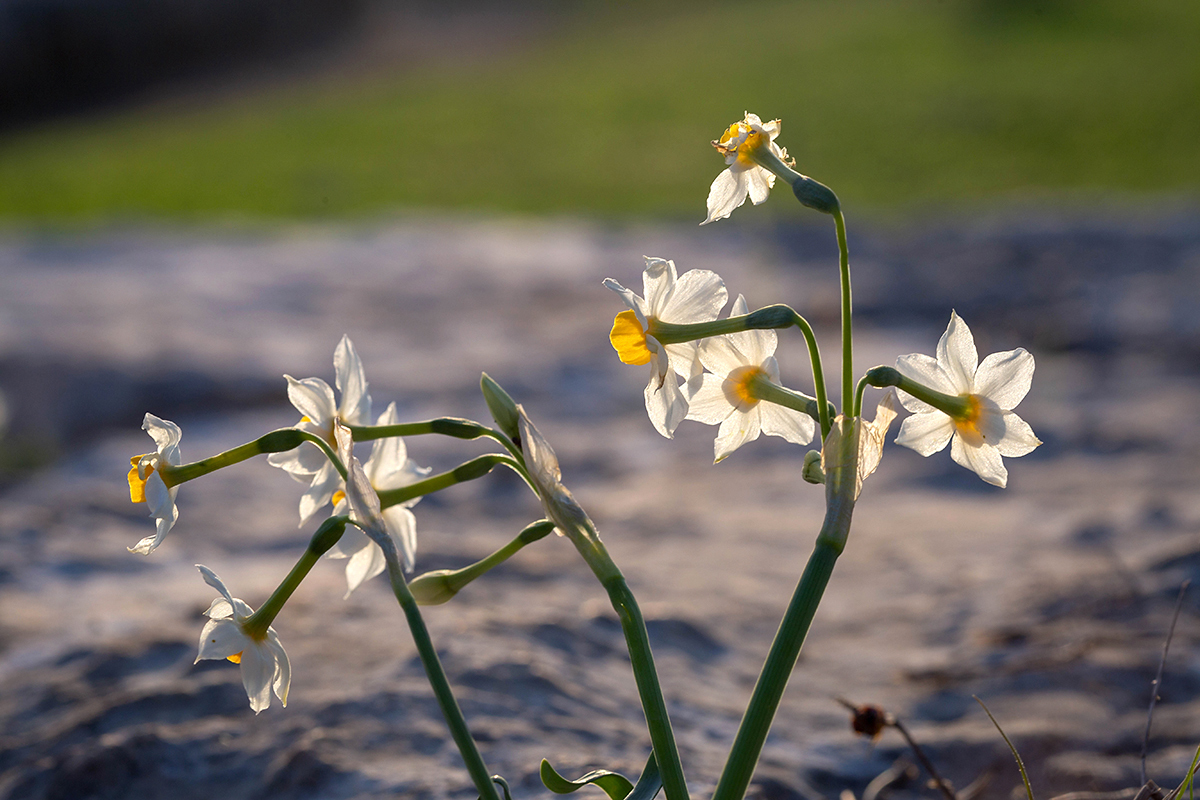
(146, 484)
(389, 467)
(557, 501)
(226, 635)
(987, 429)
(745, 177)
(696, 296)
(730, 396)
(313, 398)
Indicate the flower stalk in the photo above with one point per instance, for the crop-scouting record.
(325, 537)
(467, 471)
(437, 587)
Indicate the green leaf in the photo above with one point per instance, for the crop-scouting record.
(649, 784)
(615, 785)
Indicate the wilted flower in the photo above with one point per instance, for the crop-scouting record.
(146, 484)
(226, 635)
(745, 177)
(313, 398)
(987, 429)
(695, 296)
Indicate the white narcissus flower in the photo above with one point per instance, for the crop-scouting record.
(262, 658)
(389, 467)
(696, 296)
(726, 395)
(988, 429)
(313, 398)
(744, 177)
(146, 484)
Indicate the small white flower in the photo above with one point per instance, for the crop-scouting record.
(696, 296)
(146, 484)
(313, 398)
(262, 658)
(744, 177)
(989, 429)
(726, 394)
(389, 467)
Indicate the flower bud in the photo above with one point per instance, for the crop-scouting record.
(504, 410)
(812, 472)
(280, 441)
(327, 535)
(816, 195)
(432, 588)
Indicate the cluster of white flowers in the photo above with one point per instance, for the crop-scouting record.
(263, 661)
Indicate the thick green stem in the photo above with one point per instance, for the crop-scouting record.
(637, 640)
(325, 537)
(847, 322)
(762, 389)
(785, 650)
(434, 671)
(956, 407)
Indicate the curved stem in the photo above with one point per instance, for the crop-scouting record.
(858, 395)
(467, 471)
(814, 356)
(328, 450)
(446, 426)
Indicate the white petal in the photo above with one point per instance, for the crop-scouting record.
(220, 608)
(727, 192)
(364, 565)
(792, 425)
(636, 304)
(658, 284)
(957, 356)
(737, 429)
(351, 381)
(313, 398)
(387, 455)
(699, 296)
(926, 433)
(1018, 439)
(758, 184)
(320, 492)
(924, 370)
(1005, 377)
(685, 359)
(221, 638)
(984, 461)
(212, 580)
(665, 404)
(402, 526)
(709, 404)
(301, 463)
(258, 672)
(166, 436)
(283, 668)
(721, 355)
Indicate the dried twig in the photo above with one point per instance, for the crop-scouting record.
(873, 714)
(1158, 678)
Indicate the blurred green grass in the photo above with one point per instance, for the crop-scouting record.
(897, 104)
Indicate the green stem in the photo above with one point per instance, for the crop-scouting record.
(847, 322)
(582, 534)
(785, 650)
(467, 471)
(956, 407)
(770, 317)
(325, 537)
(435, 588)
(763, 389)
(858, 395)
(445, 426)
(277, 441)
(436, 674)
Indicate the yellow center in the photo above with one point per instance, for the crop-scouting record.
(338, 497)
(137, 484)
(235, 658)
(968, 426)
(628, 338)
(739, 386)
(745, 150)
